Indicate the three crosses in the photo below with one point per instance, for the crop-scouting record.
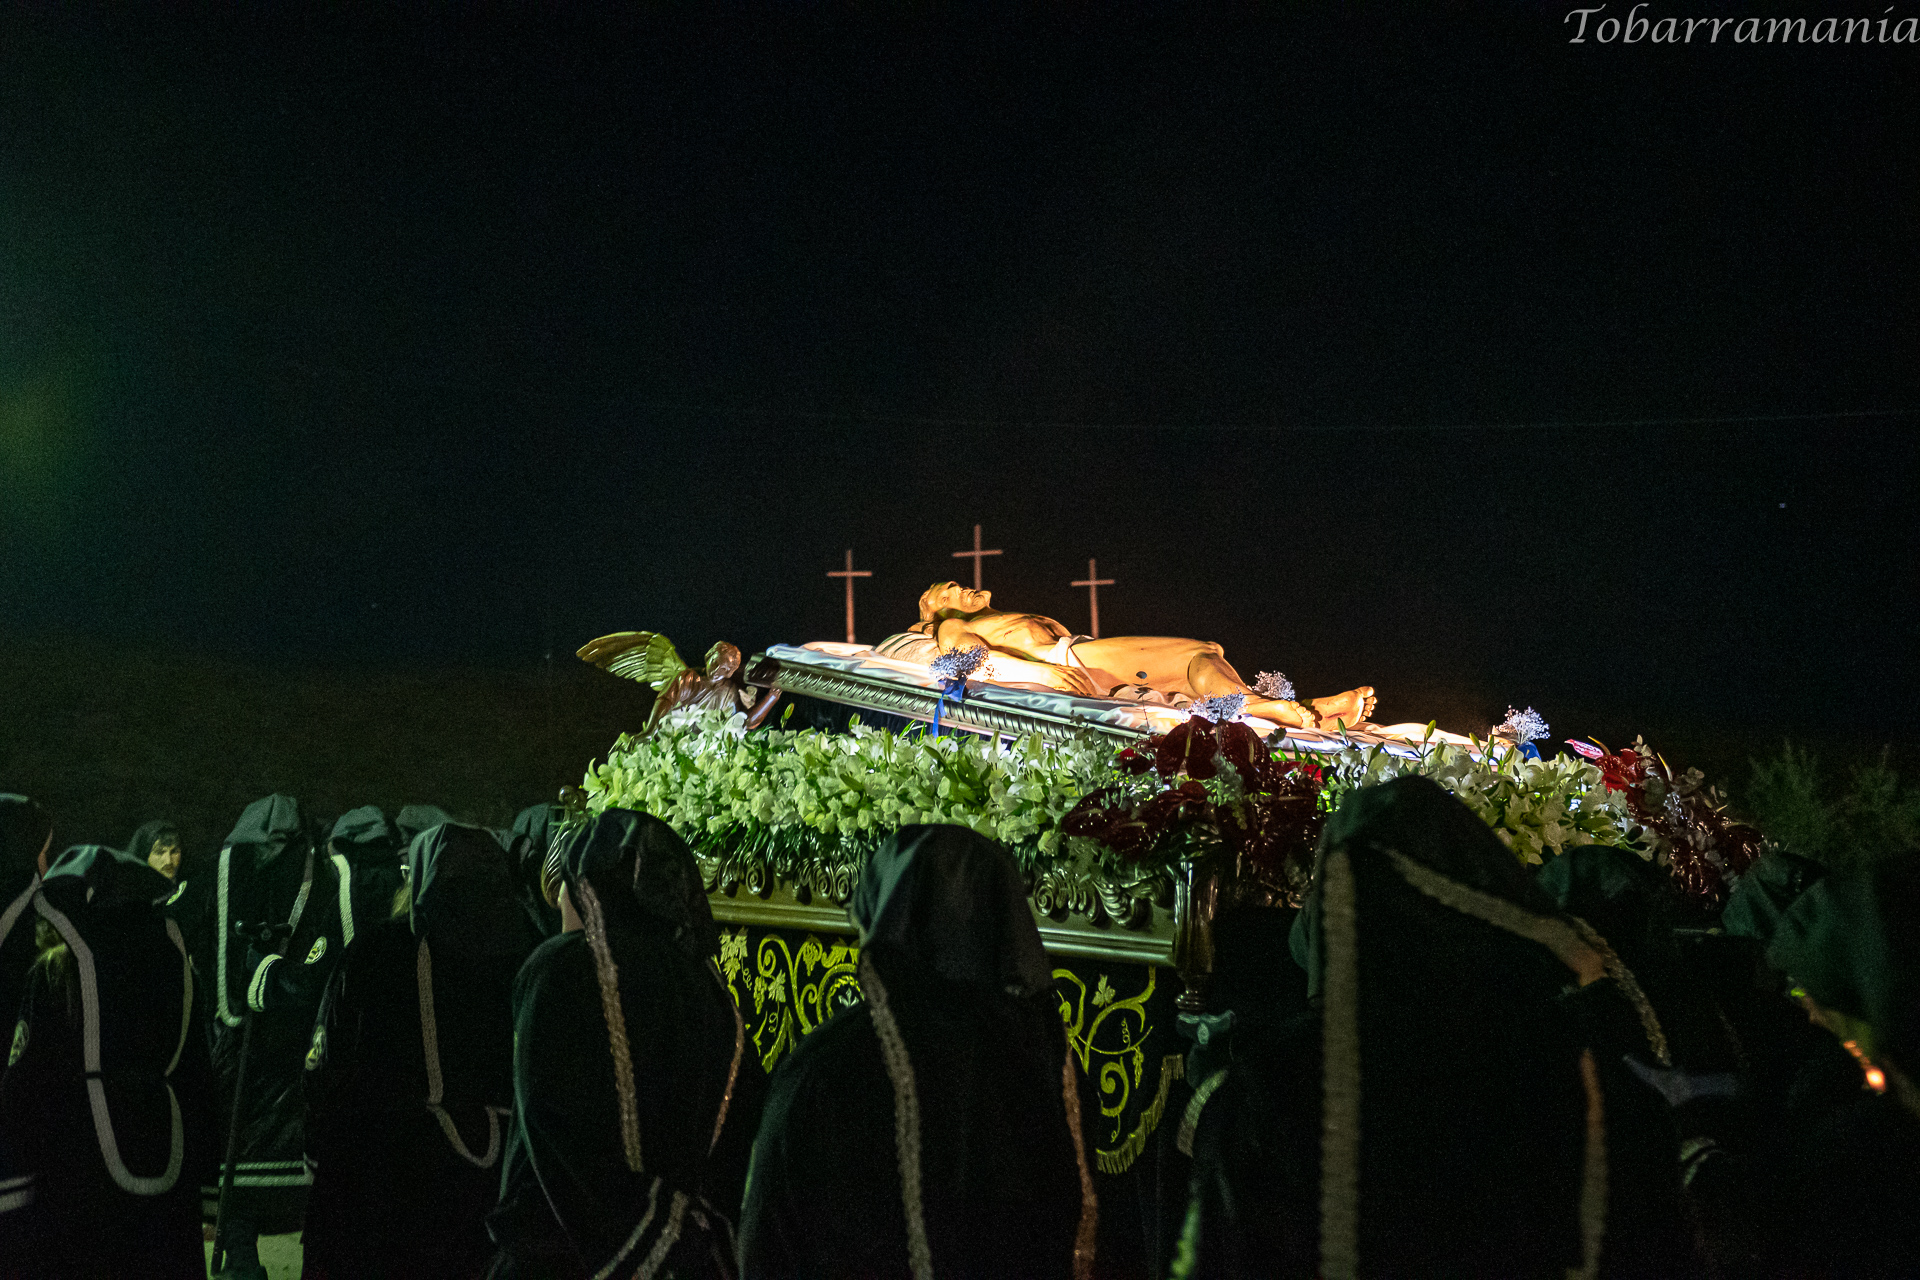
(1092, 582)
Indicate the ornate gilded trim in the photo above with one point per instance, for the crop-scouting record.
(875, 693)
(1120, 1159)
(1121, 924)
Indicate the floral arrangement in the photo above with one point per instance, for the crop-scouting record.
(1539, 808)
(1209, 782)
(1683, 822)
(791, 796)
(808, 793)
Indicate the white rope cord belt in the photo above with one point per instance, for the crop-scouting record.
(345, 874)
(16, 908)
(680, 1205)
(125, 1178)
(436, 1086)
(222, 1006)
(17, 1193)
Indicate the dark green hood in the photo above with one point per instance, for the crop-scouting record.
(948, 899)
(415, 818)
(1419, 819)
(1764, 893)
(362, 837)
(92, 875)
(1851, 940)
(268, 829)
(462, 893)
(644, 876)
(532, 836)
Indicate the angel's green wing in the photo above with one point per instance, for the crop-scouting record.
(646, 656)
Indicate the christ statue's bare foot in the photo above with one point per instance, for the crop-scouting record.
(1351, 709)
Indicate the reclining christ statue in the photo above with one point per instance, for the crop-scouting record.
(1026, 648)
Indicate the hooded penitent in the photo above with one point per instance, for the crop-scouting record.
(633, 1089)
(1631, 903)
(527, 848)
(935, 1128)
(1852, 1170)
(24, 832)
(416, 818)
(1764, 893)
(102, 1137)
(1460, 1125)
(264, 881)
(152, 835)
(352, 885)
(410, 1077)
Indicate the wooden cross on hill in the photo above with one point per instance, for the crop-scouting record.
(1093, 582)
(850, 573)
(976, 555)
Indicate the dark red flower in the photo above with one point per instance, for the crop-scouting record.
(1092, 817)
(1174, 805)
(1187, 749)
(1242, 748)
(1137, 760)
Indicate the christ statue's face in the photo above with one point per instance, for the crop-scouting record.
(951, 599)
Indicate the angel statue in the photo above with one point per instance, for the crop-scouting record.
(649, 657)
(1026, 648)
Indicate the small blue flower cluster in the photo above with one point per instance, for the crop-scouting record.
(1271, 684)
(1221, 709)
(1522, 726)
(959, 663)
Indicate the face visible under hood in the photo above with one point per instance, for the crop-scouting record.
(951, 900)
(102, 878)
(150, 834)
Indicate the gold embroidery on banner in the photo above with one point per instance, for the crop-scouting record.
(784, 992)
(792, 991)
(1116, 1036)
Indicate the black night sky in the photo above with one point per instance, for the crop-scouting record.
(1424, 349)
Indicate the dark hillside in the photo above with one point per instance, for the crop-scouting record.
(108, 739)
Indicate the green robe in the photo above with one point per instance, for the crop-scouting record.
(105, 1115)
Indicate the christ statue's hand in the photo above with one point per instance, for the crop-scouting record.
(1003, 668)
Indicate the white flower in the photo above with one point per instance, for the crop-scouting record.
(1271, 684)
(1220, 709)
(1522, 726)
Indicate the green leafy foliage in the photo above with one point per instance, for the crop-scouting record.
(797, 795)
(1802, 809)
